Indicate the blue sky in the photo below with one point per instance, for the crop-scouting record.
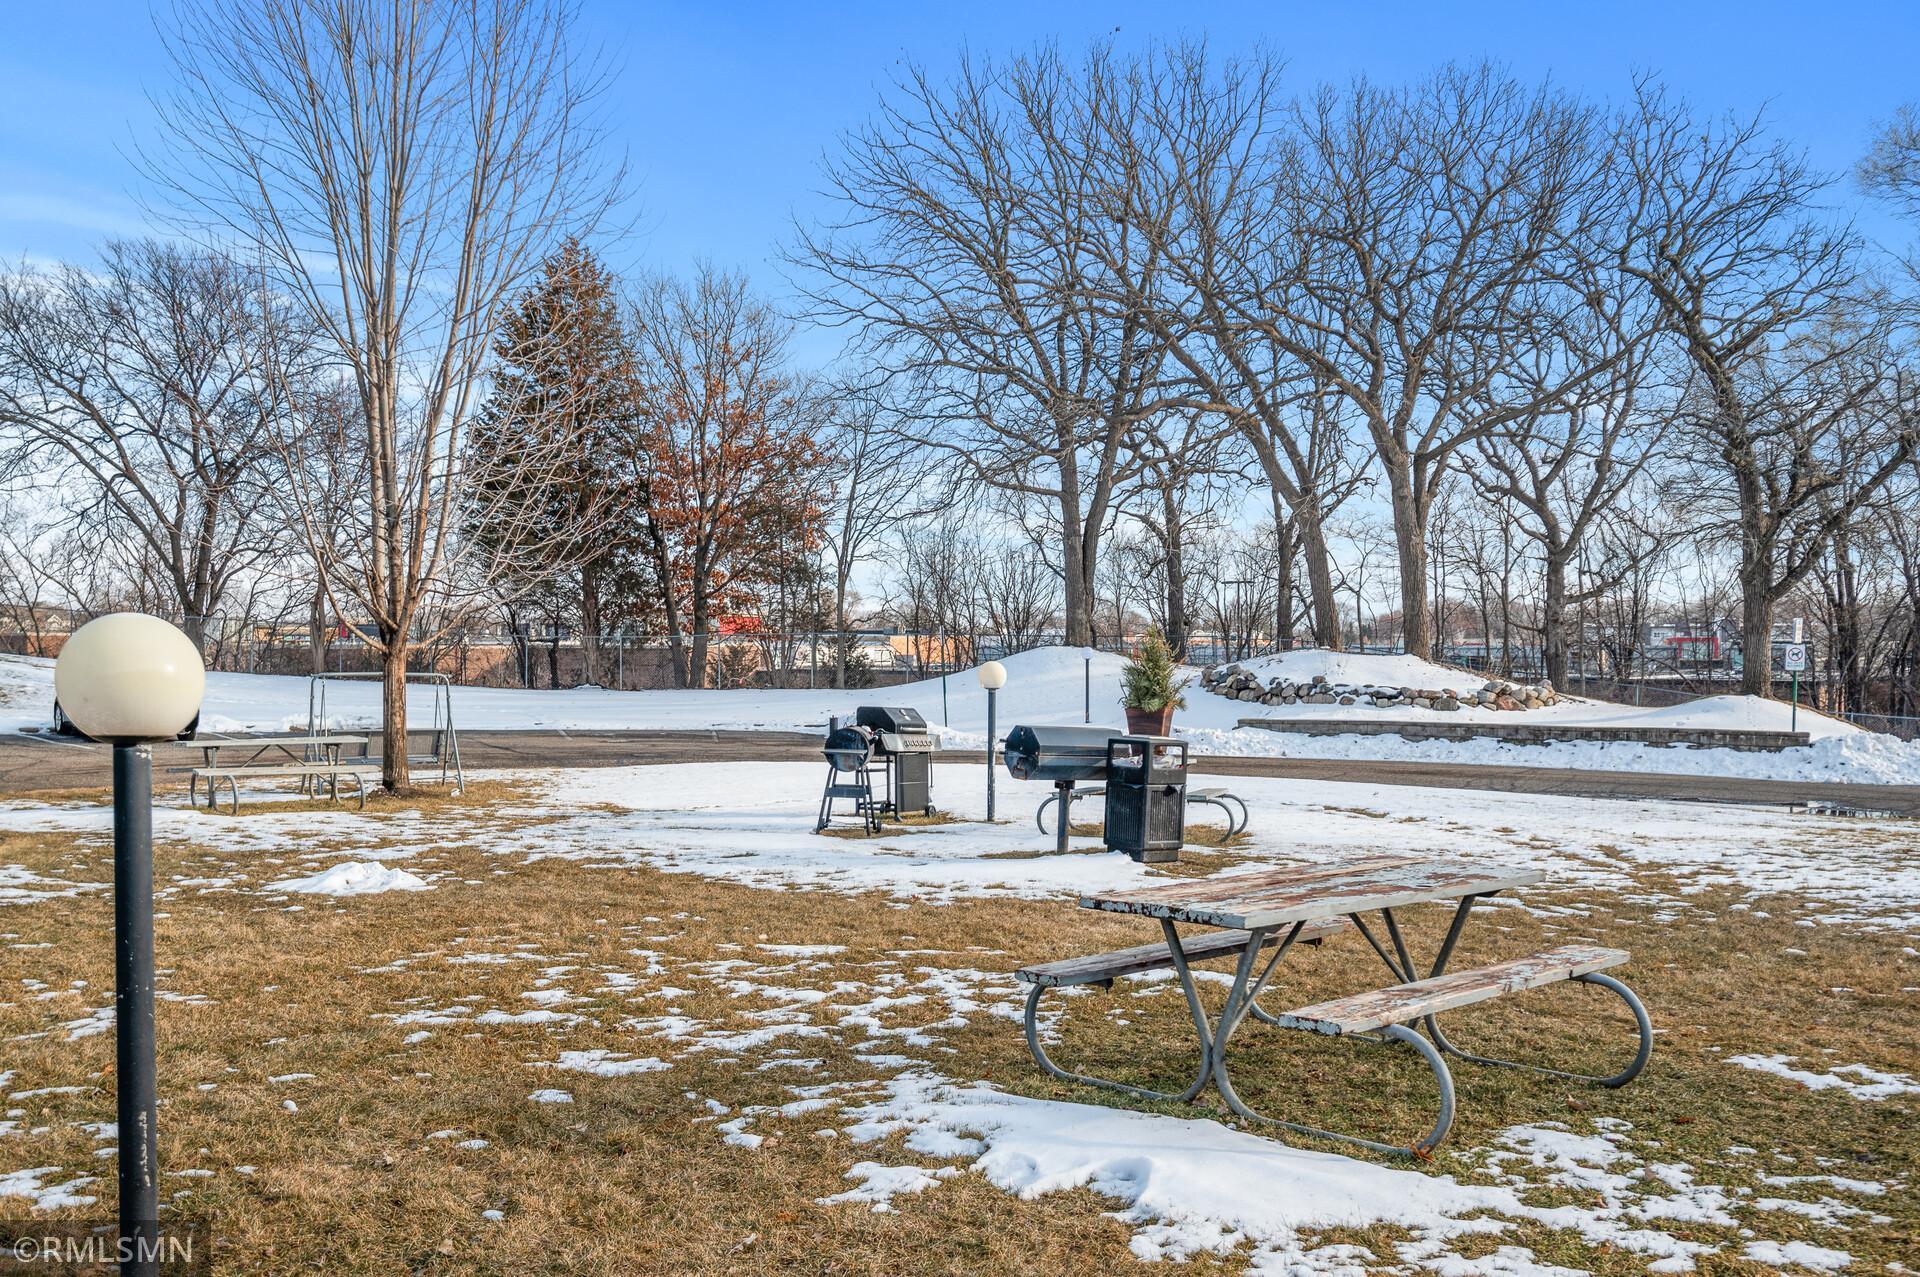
(724, 109)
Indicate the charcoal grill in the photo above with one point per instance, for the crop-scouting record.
(882, 762)
(1063, 756)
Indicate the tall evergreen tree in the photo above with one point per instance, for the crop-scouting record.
(566, 376)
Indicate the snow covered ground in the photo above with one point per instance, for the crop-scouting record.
(1187, 1187)
(1051, 685)
(752, 823)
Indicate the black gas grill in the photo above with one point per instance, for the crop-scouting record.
(882, 762)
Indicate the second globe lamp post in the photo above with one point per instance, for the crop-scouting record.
(993, 677)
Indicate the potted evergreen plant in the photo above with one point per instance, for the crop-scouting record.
(1150, 689)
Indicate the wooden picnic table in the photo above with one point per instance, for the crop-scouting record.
(1273, 909)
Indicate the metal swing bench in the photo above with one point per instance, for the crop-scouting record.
(443, 754)
(1278, 909)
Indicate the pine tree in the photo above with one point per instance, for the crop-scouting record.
(564, 392)
(1149, 681)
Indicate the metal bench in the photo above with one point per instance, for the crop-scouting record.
(1383, 1015)
(331, 773)
(1226, 800)
(1103, 969)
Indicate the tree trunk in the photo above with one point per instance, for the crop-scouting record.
(697, 660)
(839, 627)
(1847, 655)
(1286, 551)
(1553, 620)
(1410, 534)
(317, 631)
(393, 714)
(590, 624)
(1313, 542)
(1756, 639)
(669, 604)
(1177, 627)
(1077, 580)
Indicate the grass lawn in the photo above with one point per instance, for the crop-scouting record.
(345, 1083)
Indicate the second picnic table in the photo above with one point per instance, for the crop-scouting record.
(309, 757)
(1279, 908)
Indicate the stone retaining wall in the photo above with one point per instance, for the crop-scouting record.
(1235, 683)
(1518, 733)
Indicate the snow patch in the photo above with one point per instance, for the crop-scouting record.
(1871, 1084)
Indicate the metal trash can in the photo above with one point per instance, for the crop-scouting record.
(1147, 797)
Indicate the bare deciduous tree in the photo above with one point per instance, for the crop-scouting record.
(400, 166)
(1425, 239)
(881, 477)
(1796, 413)
(727, 446)
(145, 395)
(1561, 469)
(969, 256)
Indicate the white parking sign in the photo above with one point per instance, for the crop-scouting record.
(1796, 662)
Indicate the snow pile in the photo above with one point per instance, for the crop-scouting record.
(1800, 1254)
(352, 878)
(1193, 1187)
(31, 1184)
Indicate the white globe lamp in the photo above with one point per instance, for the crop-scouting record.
(993, 676)
(129, 677)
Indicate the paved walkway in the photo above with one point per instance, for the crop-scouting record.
(37, 763)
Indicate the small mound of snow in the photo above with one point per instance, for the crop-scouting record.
(352, 878)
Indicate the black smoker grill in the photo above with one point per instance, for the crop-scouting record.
(892, 741)
(1062, 755)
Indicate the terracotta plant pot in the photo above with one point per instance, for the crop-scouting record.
(1149, 722)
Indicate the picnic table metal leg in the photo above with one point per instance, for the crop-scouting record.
(1240, 1001)
(1643, 1052)
(1403, 967)
(1194, 1009)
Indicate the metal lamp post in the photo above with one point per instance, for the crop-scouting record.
(993, 677)
(129, 679)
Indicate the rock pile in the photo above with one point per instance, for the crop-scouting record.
(1238, 684)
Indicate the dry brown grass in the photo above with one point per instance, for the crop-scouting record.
(626, 1181)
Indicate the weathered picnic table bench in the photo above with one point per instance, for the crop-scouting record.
(1279, 908)
(313, 760)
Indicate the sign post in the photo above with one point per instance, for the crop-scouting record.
(1796, 661)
